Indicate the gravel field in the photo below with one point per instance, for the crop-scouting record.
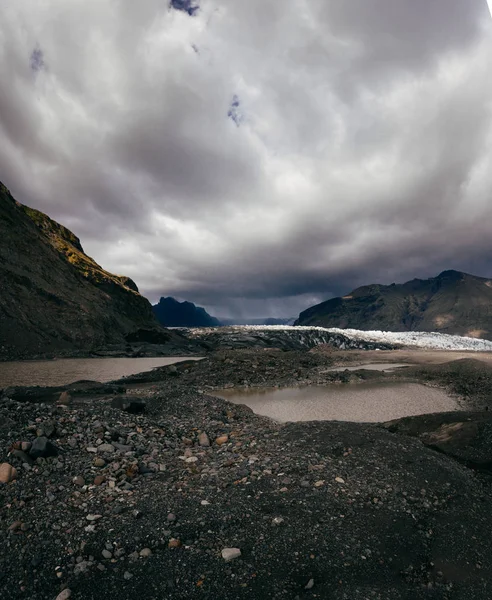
(170, 492)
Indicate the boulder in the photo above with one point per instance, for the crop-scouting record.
(129, 404)
(43, 448)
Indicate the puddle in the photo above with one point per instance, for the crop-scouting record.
(371, 367)
(67, 370)
(364, 402)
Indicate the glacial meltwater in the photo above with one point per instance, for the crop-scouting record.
(361, 402)
(67, 370)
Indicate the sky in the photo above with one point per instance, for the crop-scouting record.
(254, 157)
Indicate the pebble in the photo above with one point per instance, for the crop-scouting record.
(174, 543)
(99, 462)
(319, 483)
(79, 481)
(145, 552)
(309, 585)
(339, 480)
(99, 480)
(7, 473)
(93, 517)
(109, 448)
(203, 439)
(64, 595)
(229, 554)
(107, 554)
(277, 521)
(222, 440)
(127, 575)
(191, 459)
(171, 517)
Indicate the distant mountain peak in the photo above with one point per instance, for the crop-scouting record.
(172, 313)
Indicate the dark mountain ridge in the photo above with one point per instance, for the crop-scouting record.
(453, 302)
(171, 313)
(54, 299)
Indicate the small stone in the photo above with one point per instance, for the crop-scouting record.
(109, 448)
(99, 462)
(79, 481)
(15, 526)
(7, 473)
(47, 429)
(309, 585)
(127, 575)
(223, 439)
(339, 480)
(319, 483)
(277, 521)
(26, 446)
(203, 439)
(145, 552)
(65, 595)
(191, 459)
(205, 503)
(99, 480)
(174, 543)
(171, 517)
(93, 517)
(107, 554)
(229, 554)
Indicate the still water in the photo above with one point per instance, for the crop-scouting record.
(371, 367)
(364, 402)
(68, 370)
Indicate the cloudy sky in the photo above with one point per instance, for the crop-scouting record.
(254, 157)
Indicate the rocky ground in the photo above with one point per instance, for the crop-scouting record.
(169, 492)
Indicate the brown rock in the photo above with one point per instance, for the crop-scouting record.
(222, 440)
(15, 526)
(99, 480)
(7, 473)
(174, 543)
(64, 398)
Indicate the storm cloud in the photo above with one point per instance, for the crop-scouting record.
(255, 157)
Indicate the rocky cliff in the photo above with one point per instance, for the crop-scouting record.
(452, 302)
(54, 298)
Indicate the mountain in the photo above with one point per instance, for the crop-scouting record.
(171, 313)
(453, 302)
(259, 321)
(56, 299)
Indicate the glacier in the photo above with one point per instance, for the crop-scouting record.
(416, 339)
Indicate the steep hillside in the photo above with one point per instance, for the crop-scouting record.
(54, 298)
(171, 313)
(452, 302)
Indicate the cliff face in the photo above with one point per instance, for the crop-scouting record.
(452, 302)
(171, 313)
(55, 298)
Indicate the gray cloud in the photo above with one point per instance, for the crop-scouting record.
(362, 152)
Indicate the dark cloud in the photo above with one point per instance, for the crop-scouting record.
(303, 150)
(187, 6)
(234, 111)
(36, 60)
